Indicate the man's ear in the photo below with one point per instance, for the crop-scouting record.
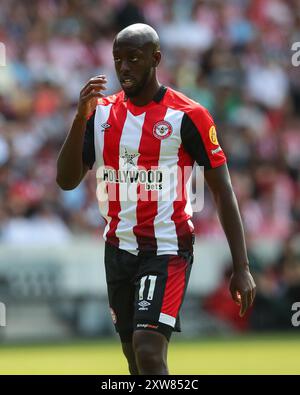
(156, 58)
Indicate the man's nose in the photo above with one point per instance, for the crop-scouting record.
(124, 67)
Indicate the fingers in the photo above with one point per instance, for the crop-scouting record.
(253, 292)
(236, 296)
(252, 296)
(98, 78)
(92, 95)
(89, 95)
(92, 88)
(244, 303)
(247, 299)
(243, 290)
(95, 82)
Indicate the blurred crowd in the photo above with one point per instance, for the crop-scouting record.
(233, 56)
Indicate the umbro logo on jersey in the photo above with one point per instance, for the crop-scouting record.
(105, 126)
(162, 130)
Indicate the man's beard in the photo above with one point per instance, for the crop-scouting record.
(139, 87)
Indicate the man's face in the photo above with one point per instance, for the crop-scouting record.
(134, 67)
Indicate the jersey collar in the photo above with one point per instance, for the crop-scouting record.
(136, 110)
(159, 95)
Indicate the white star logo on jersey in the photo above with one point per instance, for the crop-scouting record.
(129, 157)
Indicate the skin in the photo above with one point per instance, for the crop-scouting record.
(136, 55)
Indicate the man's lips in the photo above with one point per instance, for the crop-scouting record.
(127, 82)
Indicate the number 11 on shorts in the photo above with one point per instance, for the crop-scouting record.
(152, 280)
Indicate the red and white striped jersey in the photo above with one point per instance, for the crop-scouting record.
(144, 156)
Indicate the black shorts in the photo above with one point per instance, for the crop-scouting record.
(145, 291)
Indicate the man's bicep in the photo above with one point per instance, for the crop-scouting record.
(218, 178)
(88, 149)
(85, 169)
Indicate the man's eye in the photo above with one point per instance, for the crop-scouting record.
(117, 60)
(135, 59)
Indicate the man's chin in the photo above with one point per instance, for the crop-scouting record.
(132, 91)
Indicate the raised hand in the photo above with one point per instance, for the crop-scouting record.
(90, 94)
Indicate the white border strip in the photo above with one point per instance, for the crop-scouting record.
(167, 319)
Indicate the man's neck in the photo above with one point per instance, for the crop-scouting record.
(147, 95)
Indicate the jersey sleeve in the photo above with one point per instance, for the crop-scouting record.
(199, 138)
(88, 149)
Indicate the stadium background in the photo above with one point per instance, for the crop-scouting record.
(232, 56)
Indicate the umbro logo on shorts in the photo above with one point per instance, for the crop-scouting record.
(144, 305)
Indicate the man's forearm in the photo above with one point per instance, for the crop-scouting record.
(69, 162)
(230, 218)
